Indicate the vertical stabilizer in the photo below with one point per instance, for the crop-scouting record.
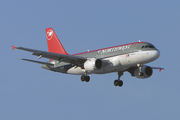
(54, 45)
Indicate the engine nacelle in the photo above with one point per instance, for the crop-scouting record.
(146, 72)
(93, 64)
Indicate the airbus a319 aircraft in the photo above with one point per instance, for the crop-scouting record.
(129, 57)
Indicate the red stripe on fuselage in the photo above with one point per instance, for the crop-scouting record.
(108, 48)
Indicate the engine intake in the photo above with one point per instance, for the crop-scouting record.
(93, 64)
(146, 72)
(98, 64)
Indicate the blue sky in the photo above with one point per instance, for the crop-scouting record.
(28, 92)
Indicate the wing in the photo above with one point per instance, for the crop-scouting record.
(159, 68)
(132, 69)
(75, 60)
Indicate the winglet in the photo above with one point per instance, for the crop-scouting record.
(13, 47)
(160, 69)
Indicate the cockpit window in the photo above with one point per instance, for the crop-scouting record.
(148, 46)
(151, 46)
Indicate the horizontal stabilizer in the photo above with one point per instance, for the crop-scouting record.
(45, 63)
(78, 60)
(13, 47)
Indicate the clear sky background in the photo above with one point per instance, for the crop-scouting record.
(28, 92)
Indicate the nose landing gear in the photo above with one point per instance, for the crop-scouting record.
(140, 70)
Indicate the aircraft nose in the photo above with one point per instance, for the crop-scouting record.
(157, 54)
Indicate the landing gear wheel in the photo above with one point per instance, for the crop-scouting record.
(118, 83)
(85, 78)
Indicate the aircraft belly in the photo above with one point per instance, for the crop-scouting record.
(76, 71)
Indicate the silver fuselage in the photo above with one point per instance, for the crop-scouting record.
(120, 59)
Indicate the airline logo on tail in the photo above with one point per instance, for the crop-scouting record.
(49, 34)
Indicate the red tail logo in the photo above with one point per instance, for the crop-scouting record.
(49, 34)
(54, 45)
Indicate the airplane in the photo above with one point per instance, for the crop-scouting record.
(130, 57)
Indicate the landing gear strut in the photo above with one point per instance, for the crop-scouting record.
(140, 70)
(119, 82)
(85, 78)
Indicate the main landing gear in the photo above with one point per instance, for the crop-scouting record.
(119, 82)
(85, 78)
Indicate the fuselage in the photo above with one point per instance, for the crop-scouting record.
(128, 57)
(120, 58)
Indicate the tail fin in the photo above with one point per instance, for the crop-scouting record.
(54, 45)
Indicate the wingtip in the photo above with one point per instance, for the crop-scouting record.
(13, 47)
(160, 69)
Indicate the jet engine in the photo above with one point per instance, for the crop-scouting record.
(143, 72)
(93, 64)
